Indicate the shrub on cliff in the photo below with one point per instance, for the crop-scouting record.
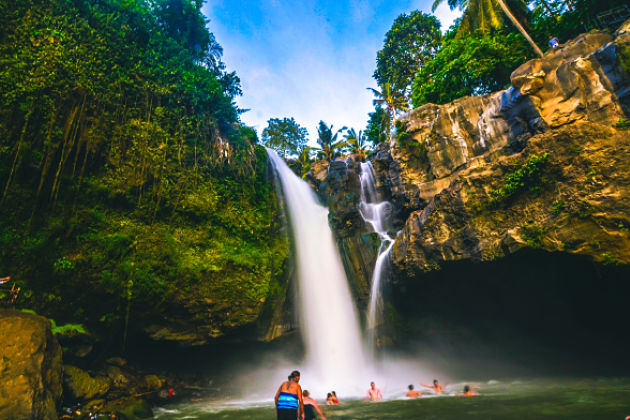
(471, 65)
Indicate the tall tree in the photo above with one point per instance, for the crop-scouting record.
(485, 16)
(329, 146)
(305, 160)
(393, 99)
(357, 143)
(413, 40)
(471, 65)
(377, 126)
(284, 136)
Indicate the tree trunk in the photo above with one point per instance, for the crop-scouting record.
(520, 27)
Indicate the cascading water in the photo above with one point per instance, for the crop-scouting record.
(377, 213)
(328, 318)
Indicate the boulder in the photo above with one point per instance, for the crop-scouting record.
(30, 367)
(129, 408)
(83, 387)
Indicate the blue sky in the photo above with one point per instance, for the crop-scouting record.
(312, 59)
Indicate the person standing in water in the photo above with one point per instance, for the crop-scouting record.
(310, 407)
(412, 393)
(436, 387)
(374, 394)
(289, 403)
(334, 398)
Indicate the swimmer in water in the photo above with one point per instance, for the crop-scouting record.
(334, 398)
(468, 392)
(311, 407)
(412, 393)
(329, 399)
(436, 387)
(289, 404)
(374, 394)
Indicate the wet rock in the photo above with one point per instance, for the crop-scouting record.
(30, 367)
(81, 386)
(129, 408)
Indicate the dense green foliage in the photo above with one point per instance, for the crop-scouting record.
(528, 177)
(129, 184)
(377, 126)
(413, 148)
(412, 40)
(285, 136)
(471, 65)
(566, 20)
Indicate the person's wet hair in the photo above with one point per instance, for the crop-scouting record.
(466, 388)
(410, 387)
(306, 393)
(294, 374)
(435, 381)
(329, 395)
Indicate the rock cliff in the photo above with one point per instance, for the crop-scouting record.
(30, 368)
(542, 165)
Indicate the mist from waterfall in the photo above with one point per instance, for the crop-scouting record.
(328, 319)
(376, 213)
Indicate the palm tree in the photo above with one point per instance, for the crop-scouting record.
(484, 15)
(305, 160)
(393, 99)
(329, 147)
(357, 142)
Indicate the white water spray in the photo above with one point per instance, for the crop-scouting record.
(328, 319)
(377, 213)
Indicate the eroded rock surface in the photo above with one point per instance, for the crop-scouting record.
(459, 174)
(30, 367)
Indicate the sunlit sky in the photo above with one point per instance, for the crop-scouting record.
(312, 59)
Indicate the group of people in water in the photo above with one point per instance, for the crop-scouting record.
(293, 403)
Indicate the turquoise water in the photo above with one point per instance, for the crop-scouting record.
(573, 399)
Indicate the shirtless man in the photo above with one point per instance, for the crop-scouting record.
(310, 407)
(289, 403)
(413, 393)
(374, 394)
(436, 387)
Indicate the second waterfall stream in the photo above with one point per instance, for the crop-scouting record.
(377, 213)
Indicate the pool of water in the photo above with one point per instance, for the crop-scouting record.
(528, 399)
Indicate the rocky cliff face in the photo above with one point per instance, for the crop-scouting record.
(30, 367)
(542, 165)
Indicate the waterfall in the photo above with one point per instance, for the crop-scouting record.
(377, 214)
(328, 319)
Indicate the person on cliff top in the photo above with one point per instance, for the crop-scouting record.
(373, 394)
(311, 407)
(289, 403)
(553, 42)
(436, 387)
(412, 393)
